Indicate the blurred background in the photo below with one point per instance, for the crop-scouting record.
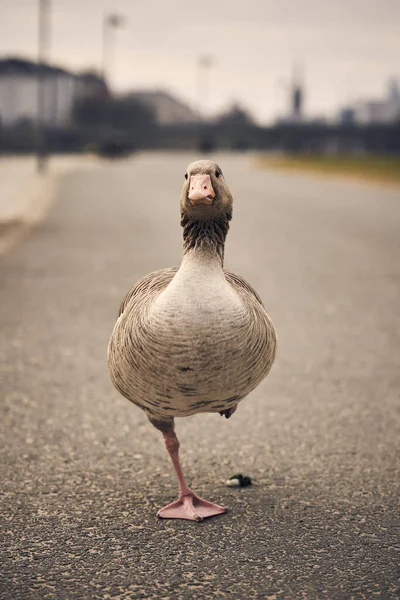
(268, 88)
(118, 76)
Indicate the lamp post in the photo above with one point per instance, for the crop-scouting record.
(203, 65)
(110, 23)
(43, 44)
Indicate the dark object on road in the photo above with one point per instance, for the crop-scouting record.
(194, 339)
(239, 480)
(206, 145)
(114, 149)
(240, 146)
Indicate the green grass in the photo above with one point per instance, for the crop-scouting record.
(379, 168)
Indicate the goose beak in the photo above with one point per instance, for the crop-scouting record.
(201, 190)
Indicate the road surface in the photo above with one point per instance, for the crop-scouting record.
(84, 472)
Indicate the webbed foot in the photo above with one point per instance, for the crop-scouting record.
(191, 507)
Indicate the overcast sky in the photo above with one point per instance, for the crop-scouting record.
(347, 48)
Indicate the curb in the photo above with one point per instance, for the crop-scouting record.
(26, 197)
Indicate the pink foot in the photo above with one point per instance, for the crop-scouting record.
(191, 507)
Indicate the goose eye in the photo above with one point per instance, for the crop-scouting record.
(218, 173)
(186, 175)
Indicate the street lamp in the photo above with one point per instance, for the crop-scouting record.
(43, 35)
(204, 63)
(110, 23)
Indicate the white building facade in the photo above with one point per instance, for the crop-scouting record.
(19, 92)
(378, 111)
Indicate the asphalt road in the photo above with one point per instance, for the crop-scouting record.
(84, 472)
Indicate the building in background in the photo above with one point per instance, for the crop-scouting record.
(19, 91)
(376, 111)
(168, 110)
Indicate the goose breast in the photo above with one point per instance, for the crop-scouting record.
(199, 343)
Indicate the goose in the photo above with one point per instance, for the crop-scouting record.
(194, 338)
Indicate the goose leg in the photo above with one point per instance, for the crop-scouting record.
(189, 505)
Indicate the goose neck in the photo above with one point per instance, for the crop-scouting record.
(204, 240)
(202, 260)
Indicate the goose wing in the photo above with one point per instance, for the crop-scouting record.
(242, 286)
(147, 285)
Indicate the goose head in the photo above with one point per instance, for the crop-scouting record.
(205, 194)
